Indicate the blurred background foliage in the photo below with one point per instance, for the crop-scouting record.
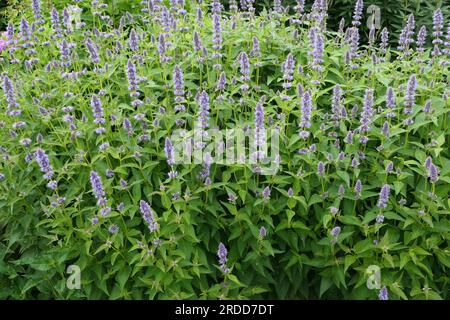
(393, 12)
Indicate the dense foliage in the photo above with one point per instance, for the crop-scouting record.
(88, 177)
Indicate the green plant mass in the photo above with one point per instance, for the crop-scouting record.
(224, 150)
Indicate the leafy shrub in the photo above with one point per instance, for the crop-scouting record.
(88, 177)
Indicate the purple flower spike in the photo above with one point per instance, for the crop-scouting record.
(384, 197)
(306, 108)
(320, 169)
(44, 163)
(288, 71)
(170, 155)
(97, 109)
(132, 78)
(262, 232)
(260, 132)
(266, 193)
(383, 295)
(97, 188)
(133, 41)
(178, 84)
(148, 216)
(358, 188)
(421, 39)
(433, 173)
(222, 254)
(335, 231)
(357, 15)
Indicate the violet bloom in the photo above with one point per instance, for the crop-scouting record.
(260, 131)
(36, 6)
(335, 231)
(113, 229)
(148, 216)
(222, 254)
(93, 52)
(290, 192)
(336, 103)
(133, 42)
(44, 163)
(221, 82)
(126, 124)
(97, 109)
(389, 167)
(357, 15)
(411, 88)
(383, 295)
(433, 173)
(305, 120)
(367, 113)
(8, 90)
(320, 169)
(341, 190)
(216, 7)
(245, 70)
(178, 84)
(233, 6)
(358, 188)
(217, 36)
(203, 116)
(288, 71)
(385, 129)
(438, 26)
(168, 149)
(427, 107)
(197, 42)
(132, 79)
(97, 188)
(384, 196)
(65, 54)
(316, 49)
(256, 50)
(56, 21)
(266, 193)
(262, 232)
(384, 40)
(379, 218)
(421, 39)
(406, 36)
(390, 98)
(349, 138)
(162, 48)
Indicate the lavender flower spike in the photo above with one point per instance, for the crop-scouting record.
(359, 6)
(421, 39)
(133, 41)
(178, 84)
(358, 188)
(44, 163)
(170, 155)
(383, 295)
(288, 71)
(384, 196)
(411, 87)
(97, 188)
(222, 254)
(305, 120)
(260, 132)
(148, 215)
(97, 109)
(132, 79)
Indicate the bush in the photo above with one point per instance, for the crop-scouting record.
(89, 175)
